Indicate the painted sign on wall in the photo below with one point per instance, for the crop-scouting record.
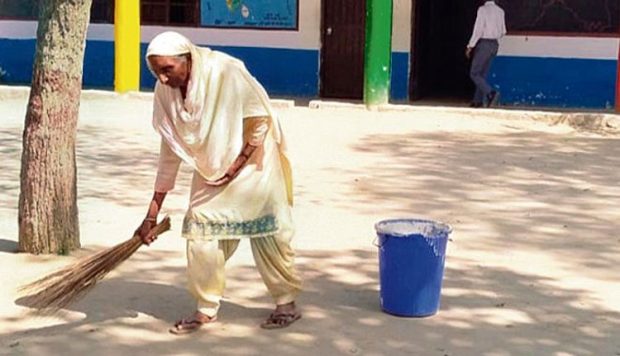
(271, 14)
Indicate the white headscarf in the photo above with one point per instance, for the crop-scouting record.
(205, 129)
(168, 44)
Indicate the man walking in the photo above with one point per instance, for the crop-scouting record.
(489, 28)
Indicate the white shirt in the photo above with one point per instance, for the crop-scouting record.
(490, 24)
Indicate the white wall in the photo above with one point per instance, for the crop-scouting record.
(307, 37)
(560, 47)
(18, 29)
(401, 26)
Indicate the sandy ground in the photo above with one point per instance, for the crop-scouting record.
(531, 266)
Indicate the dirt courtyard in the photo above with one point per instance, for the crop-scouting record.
(531, 268)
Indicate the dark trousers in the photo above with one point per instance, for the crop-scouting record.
(484, 53)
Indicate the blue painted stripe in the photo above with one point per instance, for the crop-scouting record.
(400, 76)
(16, 61)
(285, 72)
(558, 82)
(99, 64)
(525, 81)
(18, 58)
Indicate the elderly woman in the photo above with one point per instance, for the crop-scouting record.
(213, 115)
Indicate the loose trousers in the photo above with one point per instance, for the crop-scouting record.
(274, 260)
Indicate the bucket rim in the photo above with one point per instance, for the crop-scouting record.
(444, 228)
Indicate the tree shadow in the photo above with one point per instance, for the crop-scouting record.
(110, 160)
(535, 193)
(554, 193)
(483, 310)
(107, 159)
(8, 246)
(10, 155)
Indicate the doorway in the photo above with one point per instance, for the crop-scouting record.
(441, 30)
(343, 29)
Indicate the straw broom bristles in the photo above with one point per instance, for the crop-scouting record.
(63, 287)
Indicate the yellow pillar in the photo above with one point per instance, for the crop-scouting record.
(127, 45)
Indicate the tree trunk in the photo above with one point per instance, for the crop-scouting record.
(48, 214)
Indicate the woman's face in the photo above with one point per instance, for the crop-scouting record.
(171, 70)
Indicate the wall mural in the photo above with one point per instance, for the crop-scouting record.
(269, 14)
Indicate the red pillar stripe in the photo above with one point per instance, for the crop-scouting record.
(618, 82)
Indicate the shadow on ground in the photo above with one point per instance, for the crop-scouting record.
(531, 192)
(341, 315)
(107, 161)
(541, 191)
(8, 246)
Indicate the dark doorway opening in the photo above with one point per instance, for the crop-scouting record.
(441, 30)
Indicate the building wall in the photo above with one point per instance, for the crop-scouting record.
(529, 71)
(401, 49)
(285, 62)
(557, 71)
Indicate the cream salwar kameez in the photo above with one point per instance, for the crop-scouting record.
(255, 204)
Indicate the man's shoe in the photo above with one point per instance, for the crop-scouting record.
(475, 105)
(492, 99)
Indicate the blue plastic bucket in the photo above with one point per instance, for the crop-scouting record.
(412, 254)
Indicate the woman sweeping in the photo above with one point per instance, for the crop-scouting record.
(213, 115)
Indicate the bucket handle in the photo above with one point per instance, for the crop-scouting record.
(377, 244)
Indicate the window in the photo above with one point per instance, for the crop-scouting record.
(102, 11)
(170, 12)
(19, 9)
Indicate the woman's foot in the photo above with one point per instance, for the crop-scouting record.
(283, 316)
(191, 324)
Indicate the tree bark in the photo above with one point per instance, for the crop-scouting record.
(48, 213)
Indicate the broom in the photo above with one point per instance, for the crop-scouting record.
(63, 287)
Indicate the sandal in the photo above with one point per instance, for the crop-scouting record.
(188, 326)
(280, 320)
